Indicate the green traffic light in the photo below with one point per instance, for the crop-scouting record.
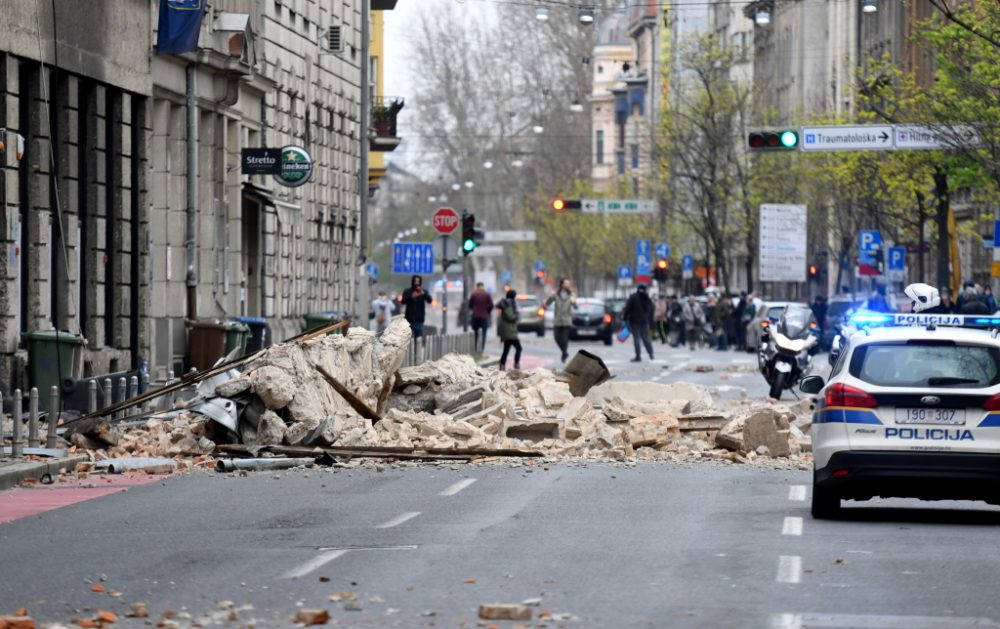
(789, 139)
(469, 245)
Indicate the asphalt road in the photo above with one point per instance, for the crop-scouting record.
(601, 545)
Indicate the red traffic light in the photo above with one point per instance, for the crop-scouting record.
(813, 271)
(661, 264)
(558, 204)
(540, 274)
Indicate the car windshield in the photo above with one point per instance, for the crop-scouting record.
(796, 320)
(927, 363)
(774, 312)
(838, 308)
(527, 302)
(589, 307)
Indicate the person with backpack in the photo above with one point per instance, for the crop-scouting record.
(508, 329)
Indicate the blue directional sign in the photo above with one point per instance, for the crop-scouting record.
(897, 258)
(539, 266)
(506, 277)
(869, 241)
(687, 263)
(662, 250)
(624, 272)
(643, 259)
(372, 269)
(996, 234)
(413, 258)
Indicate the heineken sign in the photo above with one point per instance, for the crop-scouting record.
(296, 166)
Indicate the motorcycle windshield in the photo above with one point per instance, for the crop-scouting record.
(796, 321)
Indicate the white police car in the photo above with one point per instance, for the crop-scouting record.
(912, 409)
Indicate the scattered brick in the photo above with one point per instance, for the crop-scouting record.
(310, 617)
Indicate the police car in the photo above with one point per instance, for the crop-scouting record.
(912, 409)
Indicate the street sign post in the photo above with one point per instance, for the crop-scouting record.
(445, 220)
(687, 267)
(371, 269)
(662, 251)
(509, 235)
(643, 261)
(782, 243)
(539, 266)
(897, 264)
(485, 251)
(927, 138)
(412, 258)
(847, 138)
(618, 206)
(624, 275)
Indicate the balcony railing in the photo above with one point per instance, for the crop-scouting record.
(384, 112)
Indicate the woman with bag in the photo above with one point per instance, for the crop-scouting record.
(508, 329)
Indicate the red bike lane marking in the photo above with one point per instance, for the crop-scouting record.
(19, 503)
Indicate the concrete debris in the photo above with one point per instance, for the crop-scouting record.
(310, 617)
(285, 398)
(504, 612)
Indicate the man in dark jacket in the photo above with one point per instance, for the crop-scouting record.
(415, 300)
(480, 305)
(972, 303)
(639, 316)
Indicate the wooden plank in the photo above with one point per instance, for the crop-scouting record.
(356, 403)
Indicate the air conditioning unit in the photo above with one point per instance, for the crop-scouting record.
(335, 39)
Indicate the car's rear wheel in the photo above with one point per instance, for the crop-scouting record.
(825, 503)
(607, 340)
(778, 385)
(540, 331)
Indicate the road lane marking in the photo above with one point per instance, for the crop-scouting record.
(874, 621)
(789, 569)
(792, 526)
(314, 564)
(457, 487)
(406, 517)
(797, 493)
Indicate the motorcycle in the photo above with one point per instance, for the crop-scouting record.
(785, 354)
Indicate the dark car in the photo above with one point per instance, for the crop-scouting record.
(530, 315)
(615, 307)
(591, 320)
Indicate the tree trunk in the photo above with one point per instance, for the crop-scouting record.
(941, 217)
(921, 238)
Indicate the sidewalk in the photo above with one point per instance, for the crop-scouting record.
(12, 472)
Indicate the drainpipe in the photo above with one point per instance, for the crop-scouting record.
(366, 105)
(191, 237)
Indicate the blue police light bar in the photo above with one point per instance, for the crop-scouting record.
(872, 319)
(868, 319)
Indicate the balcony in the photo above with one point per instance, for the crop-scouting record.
(384, 112)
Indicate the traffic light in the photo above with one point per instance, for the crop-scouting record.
(660, 272)
(539, 278)
(471, 237)
(773, 140)
(813, 273)
(560, 204)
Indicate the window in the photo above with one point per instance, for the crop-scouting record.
(927, 363)
(599, 159)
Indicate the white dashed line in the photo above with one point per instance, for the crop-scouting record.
(789, 569)
(797, 493)
(874, 621)
(457, 487)
(406, 517)
(314, 564)
(792, 526)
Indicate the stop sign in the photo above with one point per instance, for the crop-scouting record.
(445, 220)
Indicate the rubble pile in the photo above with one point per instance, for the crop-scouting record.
(350, 391)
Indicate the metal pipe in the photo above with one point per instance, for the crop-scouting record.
(231, 465)
(151, 465)
(53, 418)
(1, 427)
(92, 396)
(33, 418)
(361, 296)
(16, 443)
(191, 228)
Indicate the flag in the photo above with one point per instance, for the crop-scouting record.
(179, 26)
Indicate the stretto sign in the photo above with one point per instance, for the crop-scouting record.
(296, 166)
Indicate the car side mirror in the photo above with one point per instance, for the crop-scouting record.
(811, 384)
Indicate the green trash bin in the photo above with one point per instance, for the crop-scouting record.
(54, 357)
(316, 320)
(236, 337)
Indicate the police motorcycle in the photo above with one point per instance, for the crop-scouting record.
(785, 354)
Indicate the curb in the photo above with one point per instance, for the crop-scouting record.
(11, 474)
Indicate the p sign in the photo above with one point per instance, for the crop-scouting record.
(869, 241)
(897, 258)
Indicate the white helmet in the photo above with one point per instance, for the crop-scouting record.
(924, 296)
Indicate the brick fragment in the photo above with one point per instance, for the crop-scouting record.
(310, 617)
(504, 612)
(16, 622)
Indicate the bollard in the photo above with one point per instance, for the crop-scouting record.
(108, 399)
(170, 396)
(133, 387)
(122, 393)
(15, 444)
(1, 427)
(33, 418)
(92, 396)
(53, 418)
(147, 405)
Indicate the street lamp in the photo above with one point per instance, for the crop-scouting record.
(869, 6)
(487, 164)
(456, 186)
(586, 16)
(538, 128)
(541, 14)
(432, 199)
(469, 184)
(576, 106)
(763, 18)
(517, 163)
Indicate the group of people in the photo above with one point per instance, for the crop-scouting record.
(972, 300)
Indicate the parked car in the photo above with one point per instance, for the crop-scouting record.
(530, 315)
(615, 307)
(770, 311)
(592, 320)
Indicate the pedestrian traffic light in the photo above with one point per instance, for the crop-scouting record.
(773, 140)
(471, 237)
(813, 272)
(660, 272)
(560, 204)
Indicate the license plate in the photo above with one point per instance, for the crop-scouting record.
(940, 416)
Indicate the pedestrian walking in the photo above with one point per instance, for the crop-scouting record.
(675, 321)
(660, 319)
(508, 329)
(694, 321)
(972, 303)
(739, 327)
(415, 300)
(989, 299)
(638, 315)
(481, 306)
(564, 301)
(723, 310)
(382, 308)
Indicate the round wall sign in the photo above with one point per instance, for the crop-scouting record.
(296, 166)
